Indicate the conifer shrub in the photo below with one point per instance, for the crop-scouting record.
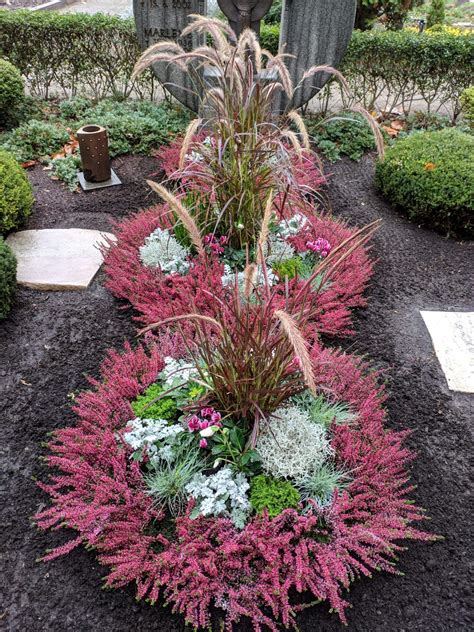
(16, 197)
(7, 279)
(272, 495)
(430, 177)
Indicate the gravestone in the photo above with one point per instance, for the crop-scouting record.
(316, 32)
(158, 20)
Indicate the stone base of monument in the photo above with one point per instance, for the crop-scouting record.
(92, 186)
(57, 259)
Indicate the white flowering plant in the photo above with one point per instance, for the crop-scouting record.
(162, 250)
(221, 494)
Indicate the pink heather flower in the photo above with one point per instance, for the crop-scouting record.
(203, 443)
(193, 423)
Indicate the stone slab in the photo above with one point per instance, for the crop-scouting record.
(57, 259)
(452, 334)
(92, 186)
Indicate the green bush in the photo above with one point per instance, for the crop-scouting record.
(270, 37)
(430, 176)
(7, 279)
(12, 92)
(346, 134)
(467, 104)
(34, 140)
(436, 13)
(16, 197)
(273, 495)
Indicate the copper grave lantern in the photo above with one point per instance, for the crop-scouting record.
(94, 149)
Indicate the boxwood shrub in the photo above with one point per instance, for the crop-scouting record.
(7, 279)
(16, 196)
(11, 92)
(430, 176)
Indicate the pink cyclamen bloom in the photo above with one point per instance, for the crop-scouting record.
(215, 418)
(203, 425)
(207, 412)
(203, 443)
(193, 423)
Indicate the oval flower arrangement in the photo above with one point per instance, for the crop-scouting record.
(154, 268)
(251, 470)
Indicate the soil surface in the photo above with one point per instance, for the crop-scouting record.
(51, 340)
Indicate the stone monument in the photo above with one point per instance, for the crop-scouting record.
(158, 20)
(316, 32)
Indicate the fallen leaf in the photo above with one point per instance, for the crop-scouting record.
(28, 164)
(398, 124)
(25, 383)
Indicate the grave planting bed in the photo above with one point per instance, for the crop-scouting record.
(51, 340)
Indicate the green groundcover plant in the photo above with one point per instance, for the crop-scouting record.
(7, 279)
(342, 135)
(16, 196)
(430, 177)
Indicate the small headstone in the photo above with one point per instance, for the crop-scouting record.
(158, 20)
(316, 32)
(452, 334)
(57, 259)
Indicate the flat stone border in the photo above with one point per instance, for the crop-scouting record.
(57, 259)
(452, 334)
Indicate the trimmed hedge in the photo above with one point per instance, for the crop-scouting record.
(7, 279)
(12, 92)
(96, 53)
(398, 66)
(16, 197)
(73, 51)
(430, 176)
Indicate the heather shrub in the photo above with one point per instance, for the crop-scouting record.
(272, 495)
(16, 197)
(467, 104)
(121, 506)
(11, 92)
(430, 177)
(7, 279)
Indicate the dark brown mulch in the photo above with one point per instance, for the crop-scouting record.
(52, 339)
